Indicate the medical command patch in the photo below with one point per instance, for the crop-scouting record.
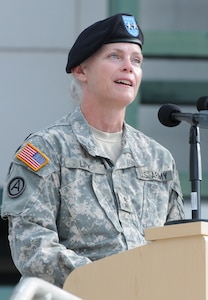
(32, 157)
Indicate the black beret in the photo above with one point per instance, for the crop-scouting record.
(115, 29)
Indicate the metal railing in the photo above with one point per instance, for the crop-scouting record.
(32, 288)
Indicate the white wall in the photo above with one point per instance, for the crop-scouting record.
(35, 37)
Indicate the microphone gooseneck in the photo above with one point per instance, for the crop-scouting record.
(170, 115)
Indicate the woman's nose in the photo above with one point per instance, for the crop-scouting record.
(127, 65)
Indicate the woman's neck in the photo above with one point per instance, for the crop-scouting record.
(103, 118)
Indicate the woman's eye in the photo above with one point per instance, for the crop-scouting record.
(114, 55)
(137, 60)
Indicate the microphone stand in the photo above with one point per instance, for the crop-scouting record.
(195, 171)
(195, 176)
(195, 165)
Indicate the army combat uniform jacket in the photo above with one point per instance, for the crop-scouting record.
(68, 205)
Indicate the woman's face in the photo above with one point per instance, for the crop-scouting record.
(113, 74)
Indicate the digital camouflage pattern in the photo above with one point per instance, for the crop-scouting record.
(79, 207)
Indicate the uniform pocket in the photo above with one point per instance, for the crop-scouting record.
(156, 193)
(88, 207)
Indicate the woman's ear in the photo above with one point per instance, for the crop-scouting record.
(79, 73)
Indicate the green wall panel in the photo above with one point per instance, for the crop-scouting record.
(124, 6)
(178, 92)
(178, 44)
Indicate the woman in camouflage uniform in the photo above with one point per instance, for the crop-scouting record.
(88, 185)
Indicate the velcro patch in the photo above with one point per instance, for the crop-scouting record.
(32, 157)
(16, 187)
(154, 175)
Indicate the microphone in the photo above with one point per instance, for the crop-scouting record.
(202, 103)
(170, 115)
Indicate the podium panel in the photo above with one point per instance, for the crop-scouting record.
(173, 265)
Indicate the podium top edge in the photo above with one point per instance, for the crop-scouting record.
(176, 231)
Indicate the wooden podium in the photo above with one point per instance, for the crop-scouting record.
(172, 266)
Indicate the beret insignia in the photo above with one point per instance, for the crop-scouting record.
(131, 25)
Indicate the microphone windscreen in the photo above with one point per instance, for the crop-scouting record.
(202, 103)
(165, 115)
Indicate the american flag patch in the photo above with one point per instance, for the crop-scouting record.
(32, 157)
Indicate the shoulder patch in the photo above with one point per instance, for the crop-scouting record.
(16, 187)
(32, 157)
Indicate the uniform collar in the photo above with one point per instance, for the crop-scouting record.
(85, 137)
(83, 132)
